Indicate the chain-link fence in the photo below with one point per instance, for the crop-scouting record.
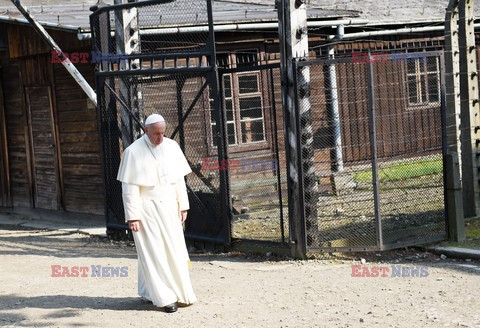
(376, 151)
(370, 129)
(251, 98)
(153, 70)
(183, 101)
(149, 28)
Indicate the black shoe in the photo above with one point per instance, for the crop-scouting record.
(171, 308)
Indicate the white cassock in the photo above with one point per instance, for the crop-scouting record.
(154, 192)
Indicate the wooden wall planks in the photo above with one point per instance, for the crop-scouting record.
(79, 143)
(43, 147)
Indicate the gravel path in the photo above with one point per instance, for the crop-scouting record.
(234, 290)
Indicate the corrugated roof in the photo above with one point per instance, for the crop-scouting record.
(385, 11)
(65, 16)
(67, 13)
(392, 10)
(75, 13)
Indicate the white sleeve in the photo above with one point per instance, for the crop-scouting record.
(182, 195)
(131, 201)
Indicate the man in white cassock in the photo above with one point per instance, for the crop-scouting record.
(152, 172)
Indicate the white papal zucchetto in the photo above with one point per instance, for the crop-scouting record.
(154, 118)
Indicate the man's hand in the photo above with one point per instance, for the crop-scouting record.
(183, 216)
(134, 225)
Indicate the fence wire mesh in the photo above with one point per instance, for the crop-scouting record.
(252, 103)
(409, 149)
(145, 67)
(152, 27)
(376, 151)
(183, 101)
(370, 133)
(340, 124)
(142, 35)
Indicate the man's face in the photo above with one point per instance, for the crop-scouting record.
(155, 132)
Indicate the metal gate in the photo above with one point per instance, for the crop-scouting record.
(373, 163)
(252, 102)
(143, 69)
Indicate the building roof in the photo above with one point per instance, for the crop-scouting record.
(74, 14)
(70, 14)
(385, 11)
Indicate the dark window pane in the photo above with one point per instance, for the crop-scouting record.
(246, 135)
(422, 65)
(248, 83)
(251, 107)
(214, 134)
(412, 89)
(424, 88)
(229, 109)
(212, 111)
(227, 86)
(252, 131)
(433, 92)
(257, 131)
(432, 64)
(411, 67)
(231, 133)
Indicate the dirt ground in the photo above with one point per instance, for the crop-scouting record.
(234, 290)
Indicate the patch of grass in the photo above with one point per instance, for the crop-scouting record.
(472, 229)
(475, 243)
(472, 234)
(401, 171)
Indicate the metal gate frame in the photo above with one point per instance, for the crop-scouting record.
(111, 132)
(380, 244)
(286, 237)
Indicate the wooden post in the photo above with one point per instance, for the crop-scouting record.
(470, 110)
